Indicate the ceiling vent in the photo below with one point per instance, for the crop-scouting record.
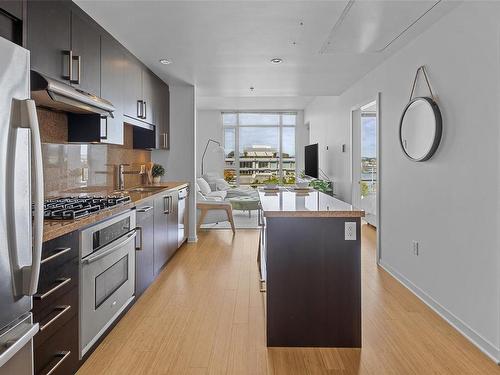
(372, 26)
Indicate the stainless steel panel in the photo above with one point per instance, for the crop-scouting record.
(16, 347)
(14, 84)
(51, 93)
(181, 215)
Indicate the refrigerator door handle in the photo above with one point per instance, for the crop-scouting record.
(31, 273)
(6, 355)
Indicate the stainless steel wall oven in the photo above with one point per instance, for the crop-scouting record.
(107, 275)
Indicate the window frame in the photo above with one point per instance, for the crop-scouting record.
(280, 127)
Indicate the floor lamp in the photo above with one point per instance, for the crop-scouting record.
(219, 148)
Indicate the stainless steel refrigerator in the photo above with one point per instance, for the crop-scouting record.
(21, 210)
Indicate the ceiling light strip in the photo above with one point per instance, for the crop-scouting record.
(327, 43)
(409, 27)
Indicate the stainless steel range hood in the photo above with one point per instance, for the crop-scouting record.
(48, 92)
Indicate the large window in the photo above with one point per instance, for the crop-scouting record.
(259, 147)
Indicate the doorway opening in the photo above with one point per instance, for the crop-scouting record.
(365, 166)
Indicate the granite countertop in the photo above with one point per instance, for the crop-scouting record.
(287, 202)
(56, 228)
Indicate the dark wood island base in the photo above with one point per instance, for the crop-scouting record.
(312, 272)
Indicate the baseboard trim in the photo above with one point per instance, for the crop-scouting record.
(193, 239)
(482, 344)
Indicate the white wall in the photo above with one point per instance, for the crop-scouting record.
(328, 131)
(180, 160)
(301, 140)
(209, 125)
(449, 203)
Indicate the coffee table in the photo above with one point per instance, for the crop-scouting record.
(245, 204)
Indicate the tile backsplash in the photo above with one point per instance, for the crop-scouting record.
(70, 167)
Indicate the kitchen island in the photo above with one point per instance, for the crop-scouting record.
(310, 261)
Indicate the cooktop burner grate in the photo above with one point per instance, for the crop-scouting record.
(71, 208)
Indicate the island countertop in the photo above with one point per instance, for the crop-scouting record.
(288, 202)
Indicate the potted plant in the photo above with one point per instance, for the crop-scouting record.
(157, 172)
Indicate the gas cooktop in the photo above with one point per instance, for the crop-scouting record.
(70, 208)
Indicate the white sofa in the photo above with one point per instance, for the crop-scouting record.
(218, 184)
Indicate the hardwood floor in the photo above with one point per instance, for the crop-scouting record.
(205, 315)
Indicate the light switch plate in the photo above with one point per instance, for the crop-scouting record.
(350, 231)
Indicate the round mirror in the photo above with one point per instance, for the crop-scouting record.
(420, 129)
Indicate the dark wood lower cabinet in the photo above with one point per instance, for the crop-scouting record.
(58, 355)
(55, 308)
(165, 228)
(160, 233)
(144, 250)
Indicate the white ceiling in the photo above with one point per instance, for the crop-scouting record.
(224, 47)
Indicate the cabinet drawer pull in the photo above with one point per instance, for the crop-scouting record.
(166, 205)
(139, 109)
(60, 283)
(139, 230)
(78, 60)
(61, 310)
(69, 76)
(60, 251)
(62, 356)
(145, 209)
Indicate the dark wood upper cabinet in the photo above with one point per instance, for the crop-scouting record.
(142, 88)
(162, 113)
(158, 137)
(112, 86)
(149, 84)
(13, 7)
(11, 24)
(49, 37)
(86, 48)
(68, 45)
(132, 86)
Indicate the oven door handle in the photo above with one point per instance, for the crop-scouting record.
(91, 259)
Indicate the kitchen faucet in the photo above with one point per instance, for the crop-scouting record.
(121, 175)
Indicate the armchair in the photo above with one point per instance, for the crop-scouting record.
(213, 210)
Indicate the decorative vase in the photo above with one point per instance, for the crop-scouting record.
(157, 179)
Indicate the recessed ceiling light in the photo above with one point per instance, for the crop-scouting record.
(276, 60)
(165, 61)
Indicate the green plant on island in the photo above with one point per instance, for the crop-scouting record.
(322, 185)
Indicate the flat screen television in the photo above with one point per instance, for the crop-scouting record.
(311, 161)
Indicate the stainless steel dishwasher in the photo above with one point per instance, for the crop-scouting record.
(182, 216)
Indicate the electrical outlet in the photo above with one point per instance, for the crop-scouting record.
(415, 247)
(350, 231)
